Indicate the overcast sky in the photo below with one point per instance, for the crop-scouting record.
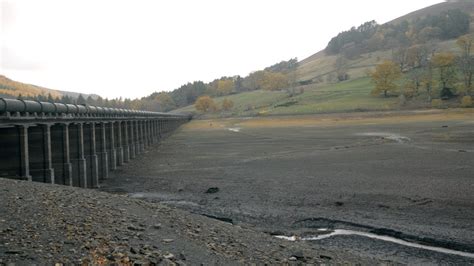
(133, 48)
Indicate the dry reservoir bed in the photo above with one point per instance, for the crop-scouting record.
(407, 176)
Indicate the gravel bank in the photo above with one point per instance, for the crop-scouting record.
(47, 224)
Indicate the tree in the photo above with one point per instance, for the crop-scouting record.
(417, 56)
(415, 77)
(227, 104)
(50, 98)
(400, 56)
(273, 81)
(427, 79)
(254, 80)
(165, 102)
(466, 61)
(341, 68)
(444, 62)
(225, 86)
(284, 66)
(385, 77)
(81, 99)
(205, 104)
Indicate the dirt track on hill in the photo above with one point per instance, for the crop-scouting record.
(407, 175)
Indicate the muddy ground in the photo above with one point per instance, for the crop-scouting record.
(405, 175)
(44, 224)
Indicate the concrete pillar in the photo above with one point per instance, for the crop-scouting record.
(47, 158)
(101, 142)
(131, 140)
(155, 126)
(24, 155)
(138, 146)
(125, 142)
(149, 134)
(152, 135)
(39, 153)
(153, 131)
(160, 128)
(90, 149)
(111, 145)
(118, 142)
(142, 135)
(82, 160)
(67, 166)
(163, 127)
(76, 145)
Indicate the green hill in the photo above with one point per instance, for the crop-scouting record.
(319, 66)
(324, 93)
(348, 96)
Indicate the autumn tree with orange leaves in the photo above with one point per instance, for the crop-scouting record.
(385, 77)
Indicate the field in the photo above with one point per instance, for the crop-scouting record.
(406, 175)
(353, 95)
(320, 65)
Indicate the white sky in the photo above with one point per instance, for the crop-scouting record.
(135, 47)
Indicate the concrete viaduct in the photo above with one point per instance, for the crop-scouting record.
(74, 145)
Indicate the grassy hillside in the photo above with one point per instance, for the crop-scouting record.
(352, 95)
(465, 5)
(13, 88)
(319, 66)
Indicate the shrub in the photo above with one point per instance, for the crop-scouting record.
(466, 101)
(227, 104)
(436, 103)
(205, 104)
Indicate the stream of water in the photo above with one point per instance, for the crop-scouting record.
(342, 232)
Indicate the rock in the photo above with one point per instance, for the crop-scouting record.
(212, 190)
(157, 226)
(325, 257)
(168, 240)
(167, 262)
(135, 228)
(169, 256)
(13, 251)
(133, 250)
(298, 254)
(292, 258)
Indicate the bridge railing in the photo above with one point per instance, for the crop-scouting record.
(74, 144)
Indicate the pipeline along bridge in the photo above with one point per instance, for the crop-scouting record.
(74, 145)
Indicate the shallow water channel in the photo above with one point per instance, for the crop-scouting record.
(345, 232)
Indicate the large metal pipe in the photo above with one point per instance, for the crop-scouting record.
(47, 107)
(28, 106)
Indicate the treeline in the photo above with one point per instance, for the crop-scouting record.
(278, 76)
(371, 36)
(420, 70)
